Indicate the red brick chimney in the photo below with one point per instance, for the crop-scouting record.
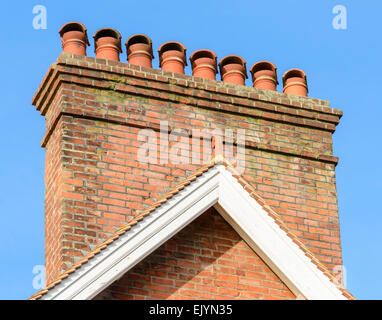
(94, 183)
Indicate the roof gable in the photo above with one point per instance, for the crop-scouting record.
(216, 185)
(200, 262)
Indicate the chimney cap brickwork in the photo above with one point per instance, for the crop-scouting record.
(173, 51)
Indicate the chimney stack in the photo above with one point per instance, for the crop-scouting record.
(95, 111)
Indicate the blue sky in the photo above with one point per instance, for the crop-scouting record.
(343, 66)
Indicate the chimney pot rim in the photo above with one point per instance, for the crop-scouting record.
(294, 72)
(201, 51)
(258, 66)
(116, 32)
(63, 30)
(140, 35)
(239, 60)
(149, 41)
(98, 35)
(263, 62)
(213, 54)
(178, 45)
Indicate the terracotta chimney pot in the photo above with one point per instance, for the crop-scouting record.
(74, 38)
(139, 50)
(233, 69)
(264, 75)
(107, 44)
(172, 57)
(204, 64)
(295, 82)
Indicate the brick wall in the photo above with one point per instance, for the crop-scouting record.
(200, 262)
(94, 110)
(53, 202)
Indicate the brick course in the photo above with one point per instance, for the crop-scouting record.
(94, 110)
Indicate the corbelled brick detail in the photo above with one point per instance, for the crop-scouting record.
(94, 110)
(201, 262)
